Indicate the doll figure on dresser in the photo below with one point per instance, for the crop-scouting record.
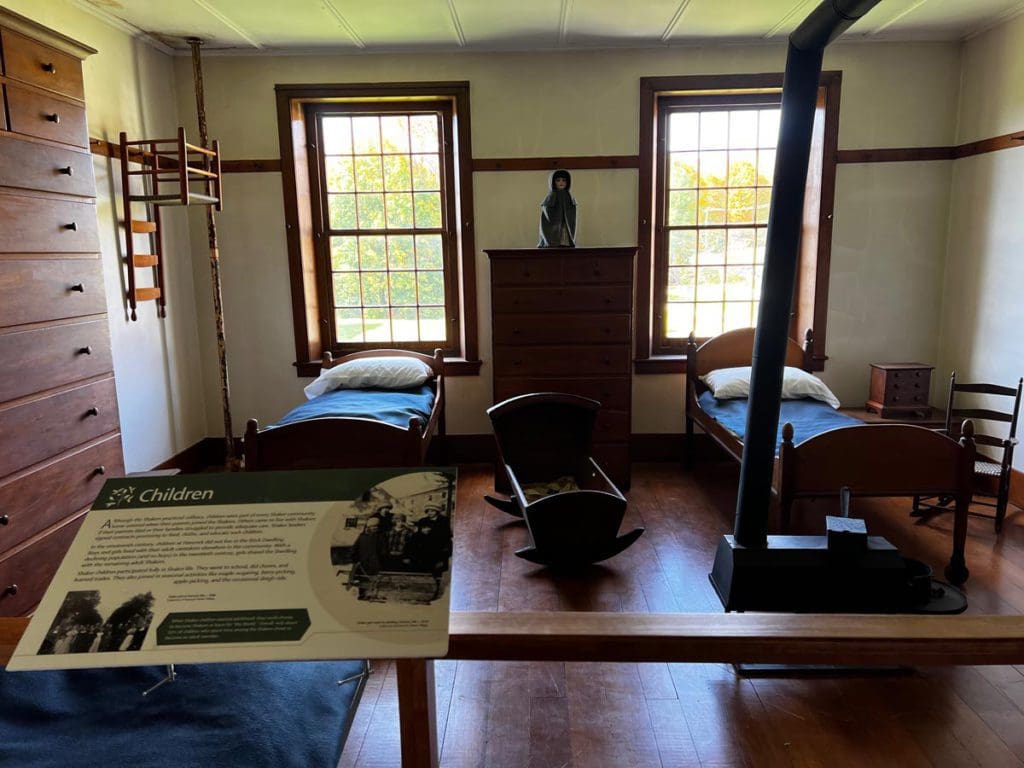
(558, 213)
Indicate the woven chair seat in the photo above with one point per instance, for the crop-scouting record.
(987, 468)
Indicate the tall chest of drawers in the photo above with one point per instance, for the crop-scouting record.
(59, 428)
(561, 321)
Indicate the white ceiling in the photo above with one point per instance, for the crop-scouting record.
(417, 25)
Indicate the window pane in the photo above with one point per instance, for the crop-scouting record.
(743, 129)
(683, 170)
(768, 130)
(399, 209)
(682, 247)
(403, 288)
(431, 286)
(424, 133)
(714, 130)
(679, 320)
(682, 282)
(342, 209)
(428, 210)
(339, 174)
(348, 325)
(400, 254)
(682, 131)
(766, 167)
(369, 176)
(739, 283)
(346, 289)
(375, 289)
(371, 211)
(742, 203)
(740, 246)
(711, 206)
(710, 283)
(397, 173)
(428, 251)
(764, 200)
(711, 246)
(432, 325)
(337, 135)
(395, 133)
(425, 172)
(378, 324)
(759, 245)
(682, 209)
(709, 320)
(366, 135)
(404, 323)
(371, 253)
(713, 168)
(743, 169)
(344, 254)
(737, 315)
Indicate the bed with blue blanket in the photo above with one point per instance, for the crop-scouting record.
(820, 450)
(372, 427)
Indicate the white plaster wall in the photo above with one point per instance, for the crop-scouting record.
(982, 329)
(129, 86)
(587, 103)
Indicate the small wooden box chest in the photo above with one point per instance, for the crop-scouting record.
(898, 389)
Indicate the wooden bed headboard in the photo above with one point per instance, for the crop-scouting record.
(736, 348)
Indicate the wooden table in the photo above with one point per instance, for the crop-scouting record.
(937, 419)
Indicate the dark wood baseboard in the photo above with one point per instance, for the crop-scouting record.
(1017, 488)
(207, 453)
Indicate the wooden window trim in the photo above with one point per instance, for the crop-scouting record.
(810, 305)
(299, 199)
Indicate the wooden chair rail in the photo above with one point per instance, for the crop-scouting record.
(716, 637)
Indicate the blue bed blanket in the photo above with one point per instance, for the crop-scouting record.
(808, 417)
(394, 406)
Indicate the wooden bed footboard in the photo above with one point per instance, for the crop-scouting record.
(882, 460)
(338, 442)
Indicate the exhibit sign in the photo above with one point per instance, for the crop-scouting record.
(258, 566)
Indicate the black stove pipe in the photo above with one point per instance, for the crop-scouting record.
(799, 100)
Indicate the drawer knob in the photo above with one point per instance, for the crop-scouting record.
(895, 386)
(515, 331)
(86, 350)
(53, 117)
(5, 519)
(67, 170)
(11, 591)
(50, 67)
(100, 470)
(73, 226)
(94, 411)
(78, 288)
(526, 273)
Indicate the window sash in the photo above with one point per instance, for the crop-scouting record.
(325, 234)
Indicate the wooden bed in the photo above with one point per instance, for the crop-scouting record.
(335, 442)
(872, 460)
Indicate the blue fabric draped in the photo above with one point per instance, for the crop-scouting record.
(253, 715)
(394, 406)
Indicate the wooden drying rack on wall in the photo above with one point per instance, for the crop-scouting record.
(174, 167)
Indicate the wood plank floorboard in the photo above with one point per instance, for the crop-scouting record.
(579, 715)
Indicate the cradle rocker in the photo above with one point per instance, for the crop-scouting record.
(573, 511)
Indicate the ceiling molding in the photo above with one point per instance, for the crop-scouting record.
(674, 22)
(998, 20)
(563, 21)
(349, 29)
(882, 27)
(456, 23)
(123, 26)
(794, 11)
(226, 21)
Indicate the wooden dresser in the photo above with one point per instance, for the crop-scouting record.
(561, 321)
(59, 429)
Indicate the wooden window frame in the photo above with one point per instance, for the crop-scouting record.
(304, 220)
(810, 301)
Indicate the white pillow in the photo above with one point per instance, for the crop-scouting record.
(730, 383)
(371, 372)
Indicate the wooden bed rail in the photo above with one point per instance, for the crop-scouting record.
(716, 637)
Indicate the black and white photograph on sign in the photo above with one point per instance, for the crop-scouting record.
(80, 627)
(397, 545)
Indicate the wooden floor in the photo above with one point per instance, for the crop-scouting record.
(555, 715)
